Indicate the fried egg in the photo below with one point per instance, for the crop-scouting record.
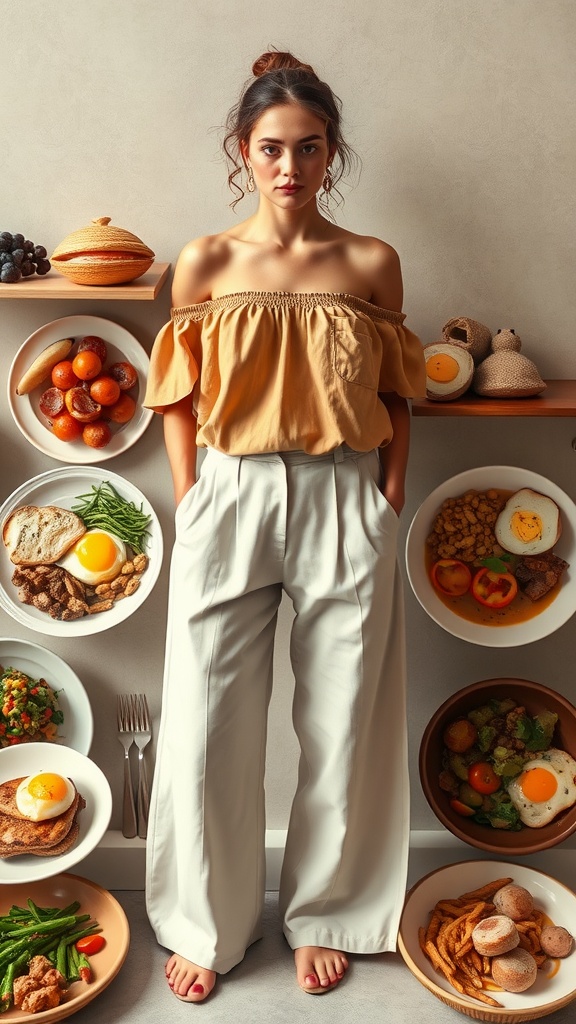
(545, 787)
(529, 523)
(44, 796)
(96, 558)
(449, 370)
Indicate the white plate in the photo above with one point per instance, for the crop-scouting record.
(37, 662)
(63, 487)
(90, 781)
(60, 891)
(555, 899)
(121, 345)
(510, 478)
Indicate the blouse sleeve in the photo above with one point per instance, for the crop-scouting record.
(402, 368)
(174, 364)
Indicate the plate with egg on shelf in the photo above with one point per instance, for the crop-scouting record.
(82, 551)
(55, 806)
(491, 556)
(75, 389)
(42, 698)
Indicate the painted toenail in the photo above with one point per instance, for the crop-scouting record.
(311, 979)
(198, 988)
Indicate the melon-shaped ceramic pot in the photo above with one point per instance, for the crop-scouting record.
(101, 254)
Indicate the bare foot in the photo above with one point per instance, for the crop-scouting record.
(319, 969)
(188, 981)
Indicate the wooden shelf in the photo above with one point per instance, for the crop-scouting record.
(559, 399)
(55, 286)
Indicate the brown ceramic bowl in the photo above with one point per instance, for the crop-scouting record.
(535, 698)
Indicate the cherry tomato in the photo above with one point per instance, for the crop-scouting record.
(462, 808)
(451, 577)
(483, 778)
(91, 944)
(494, 589)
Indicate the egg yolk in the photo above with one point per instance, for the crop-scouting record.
(442, 368)
(96, 552)
(47, 786)
(538, 784)
(526, 526)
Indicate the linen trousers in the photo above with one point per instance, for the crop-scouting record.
(318, 528)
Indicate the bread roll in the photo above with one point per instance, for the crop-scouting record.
(495, 935)
(556, 941)
(514, 901)
(514, 971)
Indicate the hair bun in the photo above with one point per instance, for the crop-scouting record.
(276, 61)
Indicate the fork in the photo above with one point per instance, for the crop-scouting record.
(142, 736)
(126, 738)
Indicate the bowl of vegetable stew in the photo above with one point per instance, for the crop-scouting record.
(499, 727)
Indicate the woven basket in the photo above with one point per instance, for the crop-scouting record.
(101, 254)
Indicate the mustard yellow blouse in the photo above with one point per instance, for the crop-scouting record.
(283, 371)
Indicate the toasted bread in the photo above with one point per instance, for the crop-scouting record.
(40, 535)
(43, 838)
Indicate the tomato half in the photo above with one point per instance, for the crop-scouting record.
(90, 944)
(451, 577)
(494, 589)
(483, 778)
(461, 808)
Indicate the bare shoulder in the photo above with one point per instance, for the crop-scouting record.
(380, 265)
(198, 264)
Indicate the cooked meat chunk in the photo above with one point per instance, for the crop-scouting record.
(538, 574)
(42, 999)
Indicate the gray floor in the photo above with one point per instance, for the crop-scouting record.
(263, 988)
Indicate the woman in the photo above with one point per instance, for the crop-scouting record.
(286, 359)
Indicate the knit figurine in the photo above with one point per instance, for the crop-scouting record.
(506, 373)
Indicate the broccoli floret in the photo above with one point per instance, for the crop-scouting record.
(544, 725)
(501, 814)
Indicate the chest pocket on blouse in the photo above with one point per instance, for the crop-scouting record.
(353, 352)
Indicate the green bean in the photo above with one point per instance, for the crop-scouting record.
(103, 507)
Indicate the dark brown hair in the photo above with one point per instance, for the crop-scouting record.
(280, 78)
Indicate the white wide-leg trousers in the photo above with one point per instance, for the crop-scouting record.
(318, 528)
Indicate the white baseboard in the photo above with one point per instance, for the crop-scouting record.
(119, 863)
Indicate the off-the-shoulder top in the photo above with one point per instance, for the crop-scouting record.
(285, 371)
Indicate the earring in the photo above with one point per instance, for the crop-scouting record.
(250, 183)
(327, 181)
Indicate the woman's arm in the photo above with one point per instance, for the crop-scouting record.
(394, 457)
(388, 292)
(191, 284)
(180, 441)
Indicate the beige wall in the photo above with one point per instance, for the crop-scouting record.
(462, 112)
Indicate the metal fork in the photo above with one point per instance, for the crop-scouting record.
(126, 737)
(142, 736)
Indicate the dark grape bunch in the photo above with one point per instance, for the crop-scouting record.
(19, 257)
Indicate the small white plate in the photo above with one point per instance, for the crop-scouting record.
(40, 663)
(32, 424)
(510, 478)
(91, 783)
(62, 487)
(556, 900)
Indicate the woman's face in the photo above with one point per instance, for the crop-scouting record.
(288, 152)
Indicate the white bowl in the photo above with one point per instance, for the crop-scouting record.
(510, 478)
(556, 900)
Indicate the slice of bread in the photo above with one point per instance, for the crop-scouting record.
(19, 835)
(40, 535)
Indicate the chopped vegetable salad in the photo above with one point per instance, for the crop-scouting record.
(29, 710)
